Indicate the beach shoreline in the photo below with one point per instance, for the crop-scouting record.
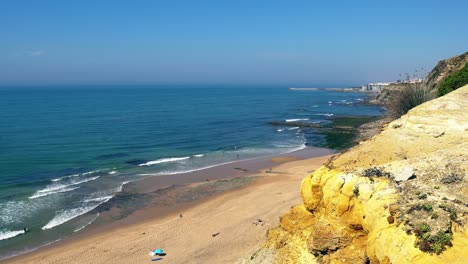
(204, 185)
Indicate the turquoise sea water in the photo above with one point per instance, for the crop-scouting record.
(66, 151)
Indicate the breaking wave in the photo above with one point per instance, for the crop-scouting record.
(296, 119)
(327, 114)
(60, 188)
(67, 215)
(10, 234)
(153, 162)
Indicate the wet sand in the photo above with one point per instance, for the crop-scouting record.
(225, 211)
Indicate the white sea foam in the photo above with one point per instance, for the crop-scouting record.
(94, 171)
(78, 174)
(87, 224)
(98, 199)
(288, 149)
(293, 128)
(303, 146)
(280, 130)
(149, 163)
(199, 155)
(67, 189)
(65, 177)
(10, 234)
(112, 172)
(67, 215)
(192, 170)
(13, 212)
(327, 114)
(60, 188)
(119, 189)
(296, 119)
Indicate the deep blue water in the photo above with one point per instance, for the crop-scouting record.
(63, 152)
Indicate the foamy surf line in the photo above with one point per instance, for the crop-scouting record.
(120, 188)
(37, 195)
(301, 147)
(78, 174)
(60, 188)
(296, 119)
(153, 162)
(67, 215)
(10, 234)
(65, 177)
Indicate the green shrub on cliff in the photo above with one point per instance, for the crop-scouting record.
(454, 81)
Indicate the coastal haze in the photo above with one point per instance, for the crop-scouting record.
(300, 44)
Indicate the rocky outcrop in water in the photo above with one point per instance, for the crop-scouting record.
(399, 197)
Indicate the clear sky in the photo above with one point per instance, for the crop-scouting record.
(248, 42)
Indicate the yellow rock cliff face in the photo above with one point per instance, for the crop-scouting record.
(388, 199)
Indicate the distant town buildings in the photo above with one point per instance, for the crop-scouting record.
(378, 87)
(413, 80)
(371, 87)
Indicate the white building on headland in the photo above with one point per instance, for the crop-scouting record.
(378, 87)
(413, 80)
(375, 87)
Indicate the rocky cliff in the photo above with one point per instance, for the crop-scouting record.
(400, 197)
(439, 73)
(444, 68)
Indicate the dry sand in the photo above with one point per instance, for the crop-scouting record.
(234, 215)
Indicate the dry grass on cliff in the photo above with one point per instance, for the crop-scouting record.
(410, 96)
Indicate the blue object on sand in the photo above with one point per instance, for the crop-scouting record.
(158, 251)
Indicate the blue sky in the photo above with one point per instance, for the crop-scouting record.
(290, 43)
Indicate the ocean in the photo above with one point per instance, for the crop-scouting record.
(66, 151)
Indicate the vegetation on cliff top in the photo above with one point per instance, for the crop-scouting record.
(448, 75)
(408, 97)
(454, 81)
(443, 69)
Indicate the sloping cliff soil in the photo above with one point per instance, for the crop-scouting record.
(400, 197)
(444, 68)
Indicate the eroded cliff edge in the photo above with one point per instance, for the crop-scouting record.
(400, 197)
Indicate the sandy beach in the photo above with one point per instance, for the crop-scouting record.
(222, 228)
